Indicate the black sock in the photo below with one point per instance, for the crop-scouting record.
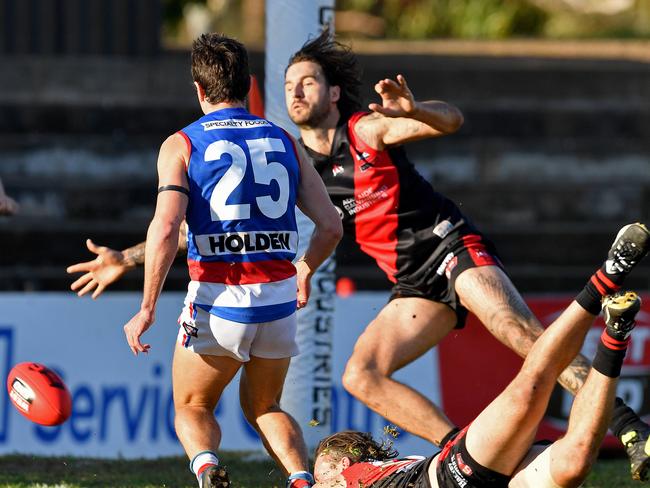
(599, 285)
(624, 419)
(610, 355)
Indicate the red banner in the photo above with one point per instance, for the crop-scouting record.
(475, 368)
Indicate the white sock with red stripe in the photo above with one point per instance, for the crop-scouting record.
(201, 461)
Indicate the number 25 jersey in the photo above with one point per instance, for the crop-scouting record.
(243, 175)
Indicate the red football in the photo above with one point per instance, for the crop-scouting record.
(39, 394)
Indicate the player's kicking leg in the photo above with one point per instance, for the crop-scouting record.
(198, 383)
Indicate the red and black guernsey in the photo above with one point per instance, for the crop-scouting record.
(410, 472)
(392, 212)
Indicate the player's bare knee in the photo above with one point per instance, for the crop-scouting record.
(247, 411)
(358, 378)
(577, 459)
(257, 409)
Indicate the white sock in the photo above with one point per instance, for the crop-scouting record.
(200, 460)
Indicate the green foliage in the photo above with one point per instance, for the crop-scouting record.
(499, 19)
(173, 13)
(423, 19)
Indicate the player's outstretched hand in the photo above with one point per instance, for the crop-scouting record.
(303, 277)
(137, 326)
(8, 205)
(106, 268)
(396, 98)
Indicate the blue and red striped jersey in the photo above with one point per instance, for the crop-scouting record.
(243, 175)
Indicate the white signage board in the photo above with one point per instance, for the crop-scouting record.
(122, 404)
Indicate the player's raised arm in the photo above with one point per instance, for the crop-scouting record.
(314, 201)
(162, 236)
(400, 118)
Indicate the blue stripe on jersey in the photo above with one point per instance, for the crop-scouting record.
(249, 315)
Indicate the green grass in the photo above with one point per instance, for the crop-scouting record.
(246, 472)
(65, 472)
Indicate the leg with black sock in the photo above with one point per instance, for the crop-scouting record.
(573, 455)
(626, 424)
(630, 246)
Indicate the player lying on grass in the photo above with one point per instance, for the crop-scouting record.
(497, 449)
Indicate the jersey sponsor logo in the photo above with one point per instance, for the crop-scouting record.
(481, 256)
(365, 200)
(443, 229)
(366, 165)
(190, 330)
(450, 266)
(457, 473)
(234, 124)
(337, 169)
(463, 467)
(445, 262)
(246, 243)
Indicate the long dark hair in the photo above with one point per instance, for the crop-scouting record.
(220, 66)
(358, 446)
(339, 65)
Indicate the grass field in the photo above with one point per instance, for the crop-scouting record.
(246, 471)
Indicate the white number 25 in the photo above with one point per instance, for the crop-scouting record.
(264, 172)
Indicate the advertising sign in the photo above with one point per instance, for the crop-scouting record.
(122, 404)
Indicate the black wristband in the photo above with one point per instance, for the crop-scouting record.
(177, 188)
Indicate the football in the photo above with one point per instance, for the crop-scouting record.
(39, 394)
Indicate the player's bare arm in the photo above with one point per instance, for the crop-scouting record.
(162, 237)
(314, 201)
(400, 118)
(110, 265)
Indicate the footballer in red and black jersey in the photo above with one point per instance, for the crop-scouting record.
(410, 472)
(417, 236)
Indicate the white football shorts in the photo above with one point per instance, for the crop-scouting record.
(204, 333)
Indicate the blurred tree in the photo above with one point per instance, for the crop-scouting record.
(423, 19)
(495, 19)
(418, 19)
(184, 20)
